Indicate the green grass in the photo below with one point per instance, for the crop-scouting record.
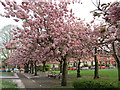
(6, 74)
(95, 83)
(105, 74)
(111, 74)
(7, 84)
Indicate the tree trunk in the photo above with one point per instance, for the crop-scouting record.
(74, 64)
(91, 63)
(96, 75)
(35, 69)
(29, 66)
(44, 62)
(32, 68)
(117, 60)
(26, 66)
(64, 72)
(61, 66)
(78, 69)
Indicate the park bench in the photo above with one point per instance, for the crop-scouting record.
(54, 75)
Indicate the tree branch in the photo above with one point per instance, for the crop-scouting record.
(4, 54)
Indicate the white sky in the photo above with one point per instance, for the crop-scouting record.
(80, 10)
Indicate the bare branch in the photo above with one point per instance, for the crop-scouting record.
(98, 5)
(99, 2)
(93, 3)
(4, 54)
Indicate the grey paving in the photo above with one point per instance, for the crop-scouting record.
(39, 81)
(10, 77)
(28, 83)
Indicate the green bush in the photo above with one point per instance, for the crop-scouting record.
(3, 66)
(47, 67)
(85, 65)
(90, 83)
(101, 64)
(40, 67)
(107, 65)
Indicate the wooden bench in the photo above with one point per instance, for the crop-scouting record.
(54, 75)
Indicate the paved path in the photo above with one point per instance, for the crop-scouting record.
(27, 80)
(6, 77)
(40, 81)
(28, 83)
(46, 82)
(10, 77)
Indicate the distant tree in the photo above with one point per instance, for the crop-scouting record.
(6, 36)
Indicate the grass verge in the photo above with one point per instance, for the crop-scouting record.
(6, 74)
(7, 84)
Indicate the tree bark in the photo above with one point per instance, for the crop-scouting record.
(32, 68)
(35, 74)
(117, 60)
(61, 66)
(64, 72)
(26, 67)
(78, 69)
(96, 75)
(44, 62)
(74, 64)
(91, 63)
(29, 66)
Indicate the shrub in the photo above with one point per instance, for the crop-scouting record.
(40, 67)
(47, 67)
(101, 64)
(107, 65)
(85, 65)
(90, 83)
(3, 66)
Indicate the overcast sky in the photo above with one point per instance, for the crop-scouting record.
(80, 10)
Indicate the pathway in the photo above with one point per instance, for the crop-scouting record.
(28, 83)
(10, 77)
(40, 81)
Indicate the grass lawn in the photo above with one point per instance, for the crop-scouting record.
(105, 74)
(7, 83)
(6, 74)
(108, 73)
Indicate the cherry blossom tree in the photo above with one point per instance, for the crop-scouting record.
(50, 32)
(111, 31)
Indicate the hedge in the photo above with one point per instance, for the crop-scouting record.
(93, 83)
